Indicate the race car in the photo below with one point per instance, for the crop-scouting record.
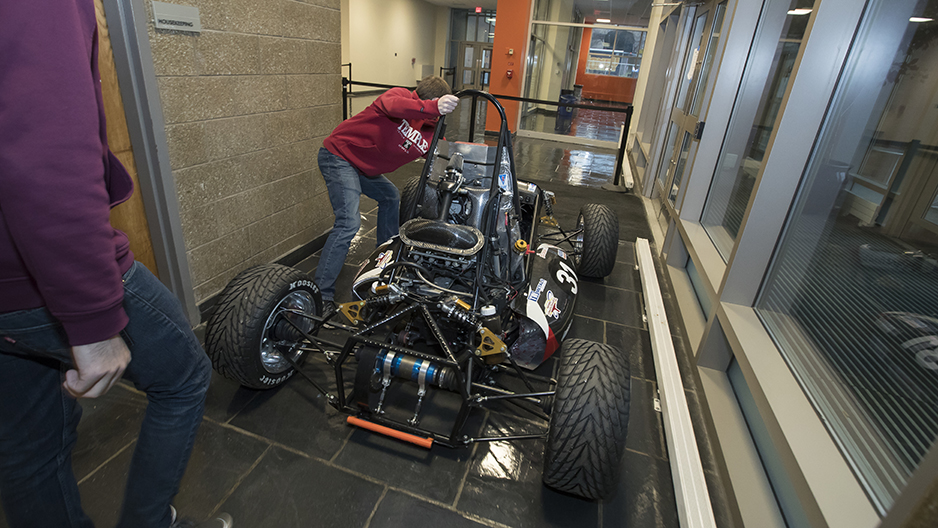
(464, 311)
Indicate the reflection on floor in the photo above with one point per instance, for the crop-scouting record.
(585, 123)
(284, 458)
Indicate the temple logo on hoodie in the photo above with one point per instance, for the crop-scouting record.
(412, 137)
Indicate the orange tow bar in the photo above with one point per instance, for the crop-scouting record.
(394, 433)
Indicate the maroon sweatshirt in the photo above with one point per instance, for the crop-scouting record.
(393, 130)
(58, 180)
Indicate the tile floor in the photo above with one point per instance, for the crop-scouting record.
(284, 458)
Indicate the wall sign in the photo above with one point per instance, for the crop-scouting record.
(176, 17)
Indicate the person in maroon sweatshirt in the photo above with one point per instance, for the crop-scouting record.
(393, 130)
(77, 313)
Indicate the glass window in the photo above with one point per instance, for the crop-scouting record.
(618, 12)
(851, 298)
(615, 52)
(768, 70)
(715, 31)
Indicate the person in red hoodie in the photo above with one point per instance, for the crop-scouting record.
(77, 313)
(393, 130)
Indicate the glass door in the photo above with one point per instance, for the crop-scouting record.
(474, 66)
(685, 126)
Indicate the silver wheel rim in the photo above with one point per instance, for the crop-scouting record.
(578, 241)
(271, 351)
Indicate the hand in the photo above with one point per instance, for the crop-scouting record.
(98, 367)
(447, 104)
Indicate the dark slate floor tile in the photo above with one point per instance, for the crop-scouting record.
(226, 398)
(504, 485)
(645, 497)
(637, 344)
(398, 510)
(624, 276)
(108, 424)
(286, 490)
(220, 459)
(609, 304)
(626, 252)
(646, 430)
(296, 415)
(587, 328)
(103, 491)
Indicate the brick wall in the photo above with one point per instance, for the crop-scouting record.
(247, 104)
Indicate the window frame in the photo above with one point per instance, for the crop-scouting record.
(823, 481)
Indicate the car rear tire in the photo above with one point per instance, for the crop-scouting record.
(431, 202)
(589, 420)
(247, 337)
(597, 242)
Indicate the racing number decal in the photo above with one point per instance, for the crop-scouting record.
(566, 274)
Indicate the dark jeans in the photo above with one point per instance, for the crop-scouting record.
(346, 185)
(38, 419)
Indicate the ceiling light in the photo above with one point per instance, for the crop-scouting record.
(603, 20)
(920, 19)
(799, 12)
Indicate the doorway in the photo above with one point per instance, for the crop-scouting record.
(473, 66)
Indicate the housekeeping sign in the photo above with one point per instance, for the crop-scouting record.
(176, 17)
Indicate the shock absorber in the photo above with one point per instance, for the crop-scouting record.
(490, 346)
(458, 310)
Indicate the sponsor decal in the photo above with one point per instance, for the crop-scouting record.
(412, 138)
(532, 187)
(536, 293)
(550, 305)
(267, 380)
(384, 259)
(562, 253)
(503, 183)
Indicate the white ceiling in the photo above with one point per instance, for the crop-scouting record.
(618, 11)
(465, 4)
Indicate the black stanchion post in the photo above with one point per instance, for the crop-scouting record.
(344, 98)
(620, 155)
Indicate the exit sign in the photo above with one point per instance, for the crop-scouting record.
(478, 9)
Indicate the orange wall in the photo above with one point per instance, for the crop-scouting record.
(510, 34)
(601, 87)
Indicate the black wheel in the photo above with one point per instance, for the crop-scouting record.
(597, 241)
(431, 201)
(247, 337)
(589, 420)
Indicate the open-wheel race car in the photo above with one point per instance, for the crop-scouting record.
(462, 312)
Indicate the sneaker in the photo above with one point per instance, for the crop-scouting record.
(328, 309)
(221, 520)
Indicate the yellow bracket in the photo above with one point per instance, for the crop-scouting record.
(352, 310)
(550, 221)
(490, 345)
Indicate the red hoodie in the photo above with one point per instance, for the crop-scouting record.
(58, 180)
(393, 130)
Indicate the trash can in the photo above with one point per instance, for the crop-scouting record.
(566, 111)
(578, 95)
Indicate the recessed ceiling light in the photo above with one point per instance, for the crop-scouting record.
(920, 19)
(799, 12)
(603, 20)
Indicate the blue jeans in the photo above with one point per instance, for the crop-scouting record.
(346, 185)
(38, 419)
